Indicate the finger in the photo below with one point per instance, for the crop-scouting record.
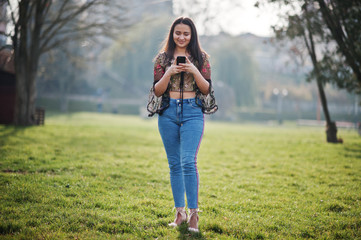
(183, 68)
(179, 69)
(185, 65)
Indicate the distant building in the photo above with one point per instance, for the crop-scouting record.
(7, 73)
(7, 86)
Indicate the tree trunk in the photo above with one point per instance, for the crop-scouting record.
(25, 99)
(25, 92)
(331, 129)
(23, 115)
(26, 46)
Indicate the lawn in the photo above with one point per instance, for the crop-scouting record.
(99, 176)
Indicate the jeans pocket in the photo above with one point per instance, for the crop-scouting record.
(194, 105)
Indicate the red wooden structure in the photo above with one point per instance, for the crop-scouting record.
(7, 97)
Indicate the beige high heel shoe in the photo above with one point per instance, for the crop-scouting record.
(183, 217)
(193, 212)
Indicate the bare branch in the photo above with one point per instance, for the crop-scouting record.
(96, 26)
(52, 32)
(57, 19)
(59, 42)
(89, 31)
(47, 7)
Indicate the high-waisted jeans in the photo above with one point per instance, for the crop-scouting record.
(182, 133)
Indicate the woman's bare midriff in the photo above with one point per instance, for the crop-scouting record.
(186, 95)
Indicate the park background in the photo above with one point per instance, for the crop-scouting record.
(256, 78)
(246, 70)
(97, 168)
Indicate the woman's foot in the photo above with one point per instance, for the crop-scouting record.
(180, 217)
(193, 220)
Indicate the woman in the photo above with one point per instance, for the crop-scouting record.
(186, 94)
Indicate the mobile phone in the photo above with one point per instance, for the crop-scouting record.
(181, 59)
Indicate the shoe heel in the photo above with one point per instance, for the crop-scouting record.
(183, 216)
(195, 213)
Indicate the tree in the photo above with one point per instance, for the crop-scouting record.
(307, 33)
(343, 65)
(304, 22)
(41, 25)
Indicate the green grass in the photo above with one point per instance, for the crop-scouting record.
(93, 176)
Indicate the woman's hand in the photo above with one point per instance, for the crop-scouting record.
(201, 82)
(174, 69)
(188, 67)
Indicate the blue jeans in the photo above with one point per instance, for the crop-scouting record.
(182, 133)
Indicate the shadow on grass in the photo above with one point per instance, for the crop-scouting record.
(7, 131)
(185, 234)
(353, 151)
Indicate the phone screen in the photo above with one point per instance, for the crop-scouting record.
(181, 59)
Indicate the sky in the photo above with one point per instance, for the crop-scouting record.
(250, 19)
(234, 19)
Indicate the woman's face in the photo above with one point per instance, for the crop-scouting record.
(182, 35)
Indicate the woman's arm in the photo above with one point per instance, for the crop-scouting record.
(202, 79)
(201, 82)
(161, 85)
(162, 78)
